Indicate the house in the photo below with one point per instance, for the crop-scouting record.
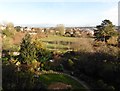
(90, 31)
(51, 31)
(22, 29)
(33, 29)
(4, 36)
(2, 27)
(27, 29)
(71, 31)
(32, 33)
(14, 53)
(42, 30)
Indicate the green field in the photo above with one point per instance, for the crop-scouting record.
(48, 79)
(58, 38)
(62, 43)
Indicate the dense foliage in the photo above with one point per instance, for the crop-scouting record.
(97, 69)
(27, 51)
(18, 80)
(104, 31)
(95, 63)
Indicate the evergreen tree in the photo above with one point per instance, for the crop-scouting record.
(104, 31)
(27, 51)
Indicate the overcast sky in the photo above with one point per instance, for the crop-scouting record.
(74, 12)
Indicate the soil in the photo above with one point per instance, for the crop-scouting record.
(59, 85)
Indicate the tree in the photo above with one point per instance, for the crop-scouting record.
(17, 28)
(104, 31)
(9, 31)
(7, 43)
(10, 25)
(27, 50)
(61, 29)
(42, 54)
(118, 39)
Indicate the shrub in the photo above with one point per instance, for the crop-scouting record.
(19, 80)
(27, 50)
(83, 45)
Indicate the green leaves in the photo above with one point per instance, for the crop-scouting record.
(7, 33)
(104, 31)
(27, 51)
(33, 50)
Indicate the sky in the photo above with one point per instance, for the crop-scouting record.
(69, 13)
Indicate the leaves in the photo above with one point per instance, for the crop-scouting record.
(104, 31)
(27, 51)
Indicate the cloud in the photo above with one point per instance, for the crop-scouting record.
(111, 14)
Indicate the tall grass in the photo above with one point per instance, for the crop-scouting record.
(83, 45)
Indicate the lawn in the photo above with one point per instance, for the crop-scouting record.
(62, 43)
(57, 46)
(48, 79)
(58, 38)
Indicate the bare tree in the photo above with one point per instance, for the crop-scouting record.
(60, 28)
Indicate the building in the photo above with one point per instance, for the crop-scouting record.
(2, 27)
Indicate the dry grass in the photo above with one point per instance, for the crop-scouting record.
(83, 44)
(114, 51)
(113, 40)
(18, 37)
(58, 86)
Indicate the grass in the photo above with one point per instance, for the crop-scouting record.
(54, 42)
(56, 46)
(47, 79)
(58, 38)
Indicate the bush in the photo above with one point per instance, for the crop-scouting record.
(14, 80)
(83, 45)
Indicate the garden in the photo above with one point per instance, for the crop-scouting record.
(42, 63)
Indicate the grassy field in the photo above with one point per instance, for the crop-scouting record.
(62, 43)
(48, 79)
(58, 38)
